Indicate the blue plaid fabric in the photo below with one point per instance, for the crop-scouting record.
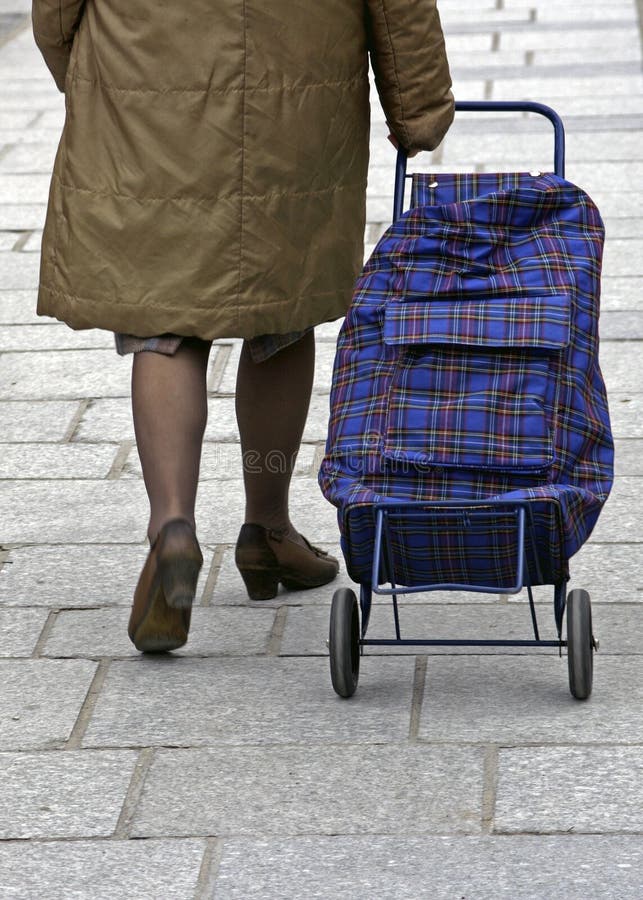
(467, 369)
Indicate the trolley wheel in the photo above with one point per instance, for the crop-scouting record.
(343, 642)
(580, 644)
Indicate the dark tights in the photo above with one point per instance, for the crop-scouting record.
(169, 404)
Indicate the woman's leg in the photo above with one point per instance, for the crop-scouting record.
(272, 404)
(169, 405)
(272, 399)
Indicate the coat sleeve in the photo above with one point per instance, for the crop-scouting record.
(55, 23)
(412, 76)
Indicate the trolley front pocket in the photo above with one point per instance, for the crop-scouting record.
(475, 385)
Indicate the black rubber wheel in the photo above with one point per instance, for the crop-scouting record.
(580, 644)
(343, 642)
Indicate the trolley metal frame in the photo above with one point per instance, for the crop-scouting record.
(470, 511)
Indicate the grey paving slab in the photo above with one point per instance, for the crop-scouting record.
(18, 54)
(616, 359)
(36, 420)
(19, 270)
(585, 153)
(102, 870)
(626, 414)
(47, 335)
(517, 65)
(213, 632)
(623, 228)
(576, 86)
(60, 795)
(29, 135)
(74, 511)
(25, 188)
(394, 789)
(570, 790)
(562, 37)
(36, 100)
(599, 175)
(23, 217)
(621, 325)
(17, 307)
(618, 204)
(72, 576)
(10, 119)
(612, 573)
(586, 12)
(481, 15)
(20, 630)
(621, 293)
(203, 702)
(617, 627)
(461, 43)
(379, 209)
(107, 419)
(33, 244)
(14, 6)
(40, 701)
(583, 867)
(328, 331)
(629, 457)
(623, 146)
(461, 61)
(527, 701)
(543, 57)
(472, 89)
(63, 374)
(63, 461)
(20, 87)
(52, 118)
(623, 257)
(7, 241)
(621, 519)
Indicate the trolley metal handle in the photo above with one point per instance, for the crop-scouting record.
(489, 106)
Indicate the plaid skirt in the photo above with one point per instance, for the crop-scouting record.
(261, 348)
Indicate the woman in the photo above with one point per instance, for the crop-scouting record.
(210, 182)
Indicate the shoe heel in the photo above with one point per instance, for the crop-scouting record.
(179, 579)
(260, 584)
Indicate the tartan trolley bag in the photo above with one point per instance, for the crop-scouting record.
(469, 444)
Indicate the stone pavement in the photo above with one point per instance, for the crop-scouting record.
(231, 770)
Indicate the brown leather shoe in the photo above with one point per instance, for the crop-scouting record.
(266, 557)
(160, 617)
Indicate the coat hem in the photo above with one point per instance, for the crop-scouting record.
(83, 313)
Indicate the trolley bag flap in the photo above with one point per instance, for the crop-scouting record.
(476, 384)
(540, 322)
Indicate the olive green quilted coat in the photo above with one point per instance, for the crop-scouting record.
(211, 174)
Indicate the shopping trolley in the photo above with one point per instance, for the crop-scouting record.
(469, 443)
